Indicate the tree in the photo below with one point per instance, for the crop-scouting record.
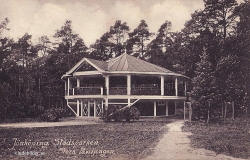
(158, 48)
(118, 36)
(204, 88)
(70, 46)
(25, 49)
(3, 25)
(229, 77)
(43, 45)
(239, 45)
(101, 49)
(137, 41)
(221, 15)
(67, 38)
(112, 43)
(217, 18)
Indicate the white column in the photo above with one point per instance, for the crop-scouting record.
(101, 90)
(77, 108)
(175, 104)
(68, 85)
(176, 87)
(128, 84)
(185, 88)
(190, 111)
(166, 108)
(78, 82)
(107, 84)
(106, 103)
(88, 108)
(154, 108)
(94, 108)
(81, 107)
(65, 84)
(102, 106)
(162, 85)
(129, 103)
(184, 112)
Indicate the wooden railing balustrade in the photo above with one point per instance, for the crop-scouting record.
(145, 91)
(118, 90)
(86, 91)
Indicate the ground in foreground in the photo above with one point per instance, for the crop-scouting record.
(231, 138)
(94, 141)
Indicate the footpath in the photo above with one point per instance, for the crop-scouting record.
(175, 145)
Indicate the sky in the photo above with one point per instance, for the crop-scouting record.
(92, 18)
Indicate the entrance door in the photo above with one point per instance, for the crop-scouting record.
(91, 108)
(161, 108)
(171, 108)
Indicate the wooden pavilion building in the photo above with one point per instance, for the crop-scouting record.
(92, 85)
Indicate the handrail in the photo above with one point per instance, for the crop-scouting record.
(87, 90)
(145, 88)
(124, 107)
(89, 87)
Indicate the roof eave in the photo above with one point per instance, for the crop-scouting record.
(65, 76)
(147, 73)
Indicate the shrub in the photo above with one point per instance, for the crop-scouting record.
(118, 114)
(52, 115)
(131, 113)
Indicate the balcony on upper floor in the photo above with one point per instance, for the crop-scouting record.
(121, 85)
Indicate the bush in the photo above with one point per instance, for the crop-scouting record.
(131, 113)
(52, 115)
(118, 114)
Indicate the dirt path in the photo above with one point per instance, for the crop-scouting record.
(175, 145)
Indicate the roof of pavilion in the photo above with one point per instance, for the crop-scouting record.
(124, 63)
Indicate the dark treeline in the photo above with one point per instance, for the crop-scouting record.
(212, 49)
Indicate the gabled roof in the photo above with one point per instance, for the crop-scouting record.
(123, 63)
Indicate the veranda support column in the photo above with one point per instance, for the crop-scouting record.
(77, 82)
(154, 108)
(102, 107)
(190, 112)
(66, 92)
(128, 84)
(94, 108)
(176, 87)
(175, 104)
(68, 85)
(166, 108)
(184, 112)
(107, 84)
(81, 107)
(162, 85)
(129, 102)
(88, 108)
(185, 88)
(77, 108)
(106, 104)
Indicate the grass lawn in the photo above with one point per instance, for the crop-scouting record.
(231, 138)
(99, 141)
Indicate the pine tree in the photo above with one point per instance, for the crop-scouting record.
(204, 88)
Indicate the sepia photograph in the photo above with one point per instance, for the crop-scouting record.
(125, 79)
